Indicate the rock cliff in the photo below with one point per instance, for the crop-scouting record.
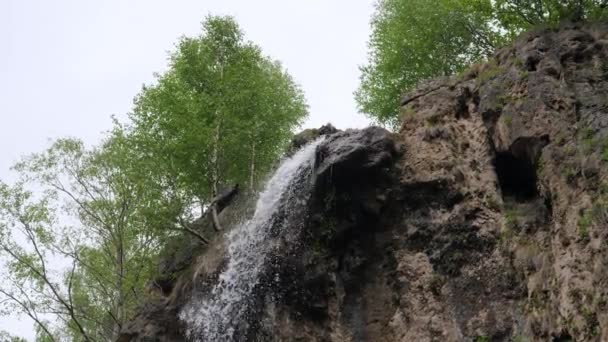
(484, 218)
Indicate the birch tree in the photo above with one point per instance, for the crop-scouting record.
(221, 114)
(102, 235)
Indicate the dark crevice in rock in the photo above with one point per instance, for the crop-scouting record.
(490, 118)
(548, 202)
(532, 62)
(563, 337)
(516, 176)
(462, 105)
(516, 168)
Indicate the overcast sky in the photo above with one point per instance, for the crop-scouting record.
(66, 66)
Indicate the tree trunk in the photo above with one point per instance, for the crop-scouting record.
(252, 168)
(119, 309)
(216, 206)
(215, 158)
(216, 144)
(578, 14)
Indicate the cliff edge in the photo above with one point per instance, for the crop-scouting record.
(484, 218)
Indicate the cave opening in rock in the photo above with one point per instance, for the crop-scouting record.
(517, 177)
(517, 168)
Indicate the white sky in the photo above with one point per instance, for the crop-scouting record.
(66, 66)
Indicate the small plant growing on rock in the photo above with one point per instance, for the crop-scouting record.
(510, 218)
(524, 74)
(436, 283)
(540, 166)
(569, 150)
(489, 73)
(505, 99)
(587, 133)
(569, 172)
(601, 302)
(604, 155)
(433, 120)
(408, 113)
(518, 62)
(584, 222)
(588, 140)
(492, 202)
(599, 212)
(595, 330)
(506, 235)
(560, 139)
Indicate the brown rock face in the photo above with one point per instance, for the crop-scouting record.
(485, 218)
(523, 140)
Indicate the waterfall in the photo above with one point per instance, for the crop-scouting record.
(221, 313)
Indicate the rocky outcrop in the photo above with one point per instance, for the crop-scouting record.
(308, 135)
(190, 268)
(484, 218)
(522, 140)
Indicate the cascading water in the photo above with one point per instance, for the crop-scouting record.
(220, 314)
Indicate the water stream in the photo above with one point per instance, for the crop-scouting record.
(219, 314)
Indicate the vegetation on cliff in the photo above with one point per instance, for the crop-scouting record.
(416, 40)
(483, 218)
(222, 114)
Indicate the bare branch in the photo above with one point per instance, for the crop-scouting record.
(30, 313)
(187, 228)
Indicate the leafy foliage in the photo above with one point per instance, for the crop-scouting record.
(81, 230)
(6, 337)
(519, 15)
(413, 40)
(221, 114)
(106, 244)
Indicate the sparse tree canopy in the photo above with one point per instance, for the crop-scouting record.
(102, 241)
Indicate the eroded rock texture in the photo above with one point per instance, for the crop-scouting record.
(523, 142)
(485, 218)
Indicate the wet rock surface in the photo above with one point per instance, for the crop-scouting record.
(308, 135)
(484, 218)
(353, 155)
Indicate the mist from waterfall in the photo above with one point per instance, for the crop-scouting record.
(280, 208)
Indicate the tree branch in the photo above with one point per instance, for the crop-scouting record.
(186, 227)
(30, 313)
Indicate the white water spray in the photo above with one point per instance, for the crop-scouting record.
(218, 315)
